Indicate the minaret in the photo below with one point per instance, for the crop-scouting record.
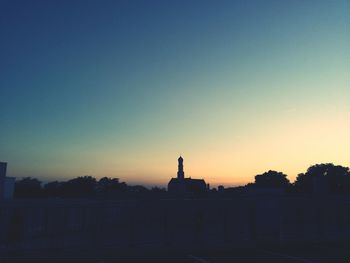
(180, 170)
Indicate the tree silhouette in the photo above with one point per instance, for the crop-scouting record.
(28, 188)
(110, 187)
(83, 186)
(337, 178)
(53, 189)
(272, 179)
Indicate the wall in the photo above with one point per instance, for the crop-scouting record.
(173, 223)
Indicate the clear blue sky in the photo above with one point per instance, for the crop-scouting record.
(121, 88)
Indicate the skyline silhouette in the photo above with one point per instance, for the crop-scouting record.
(269, 220)
(327, 177)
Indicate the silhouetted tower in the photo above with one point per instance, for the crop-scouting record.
(2, 178)
(180, 170)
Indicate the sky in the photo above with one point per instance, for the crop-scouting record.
(122, 88)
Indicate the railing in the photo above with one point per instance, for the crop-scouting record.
(26, 225)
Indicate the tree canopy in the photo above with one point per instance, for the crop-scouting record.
(272, 179)
(335, 177)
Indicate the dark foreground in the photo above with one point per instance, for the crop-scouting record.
(316, 253)
(245, 229)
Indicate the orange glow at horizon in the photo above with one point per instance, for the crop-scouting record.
(289, 146)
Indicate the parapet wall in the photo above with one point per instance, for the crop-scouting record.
(172, 223)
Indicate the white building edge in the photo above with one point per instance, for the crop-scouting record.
(7, 184)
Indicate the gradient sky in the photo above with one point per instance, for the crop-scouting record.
(122, 88)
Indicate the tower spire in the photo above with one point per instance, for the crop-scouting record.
(180, 170)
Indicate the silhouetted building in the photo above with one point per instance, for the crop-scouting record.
(7, 184)
(2, 178)
(182, 185)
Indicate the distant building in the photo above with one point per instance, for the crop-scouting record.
(7, 184)
(185, 186)
(221, 188)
